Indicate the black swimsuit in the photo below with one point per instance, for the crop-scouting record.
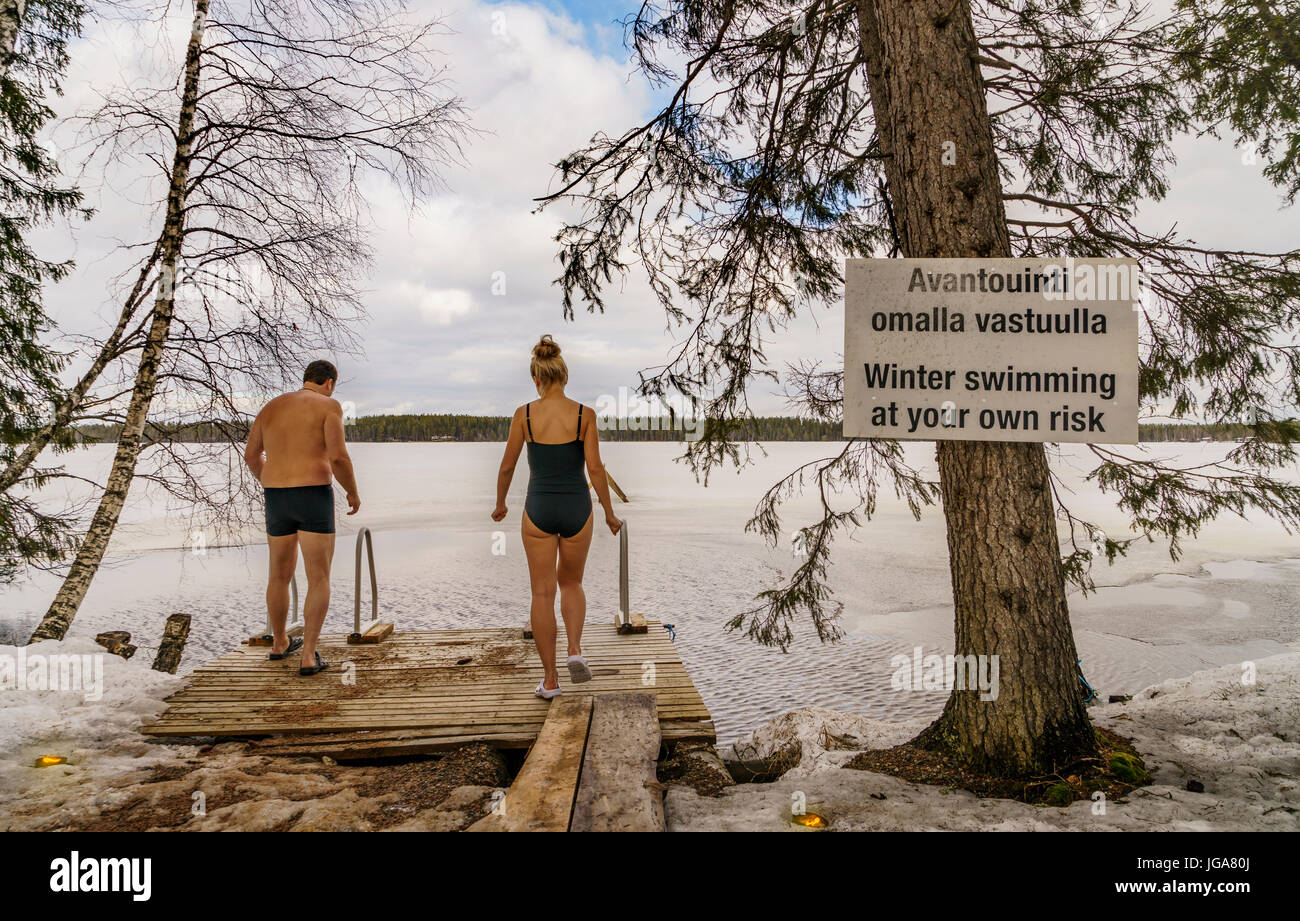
(558, 499)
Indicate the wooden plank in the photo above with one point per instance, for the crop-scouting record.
(617, 790)
(266, 639)
(541, 797)
(390, 743)
(373, 634)
(636, 623)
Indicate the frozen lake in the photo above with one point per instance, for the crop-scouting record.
(1232, 596)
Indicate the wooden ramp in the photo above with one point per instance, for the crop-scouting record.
(592, 768)
(423, 692)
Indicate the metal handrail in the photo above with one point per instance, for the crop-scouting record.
(624, 608)
(363, 535)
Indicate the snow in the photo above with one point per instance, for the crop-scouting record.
(93, 727)
(1240, 740)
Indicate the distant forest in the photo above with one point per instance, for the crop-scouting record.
(447, 427)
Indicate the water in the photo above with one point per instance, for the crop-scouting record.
(1231, 597)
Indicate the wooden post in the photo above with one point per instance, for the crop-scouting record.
(172, 646)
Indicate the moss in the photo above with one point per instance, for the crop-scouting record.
(1129, 768)
(1058, 794)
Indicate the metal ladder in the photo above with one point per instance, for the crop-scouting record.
(295, 621)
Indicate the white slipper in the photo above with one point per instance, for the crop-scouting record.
(544, 693)
(579, 670)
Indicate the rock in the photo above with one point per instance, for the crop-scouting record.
(1195, 786)
(765, 768)
(696, 765)
(462, 808)
(118, 642)
(344, 811)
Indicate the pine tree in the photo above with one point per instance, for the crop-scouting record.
(33, 58)
(794, 136)
(1241, 60)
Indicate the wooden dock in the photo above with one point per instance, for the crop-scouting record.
(592, 768)
(423, 692)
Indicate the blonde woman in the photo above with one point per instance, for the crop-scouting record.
(557, 520)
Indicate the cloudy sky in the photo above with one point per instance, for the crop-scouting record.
(539, 79)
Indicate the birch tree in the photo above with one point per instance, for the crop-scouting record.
(285, 109)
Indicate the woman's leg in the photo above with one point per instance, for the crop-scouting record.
(540, 549)
(573, 602)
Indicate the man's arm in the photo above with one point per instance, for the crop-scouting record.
(337, 449)
(253, 450)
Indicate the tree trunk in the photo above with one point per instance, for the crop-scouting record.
(1007, 577)
(172, 646)
(63, 609)
(11, 22)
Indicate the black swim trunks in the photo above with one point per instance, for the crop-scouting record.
(290, 509)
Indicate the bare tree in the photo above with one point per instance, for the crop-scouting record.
(286, 109)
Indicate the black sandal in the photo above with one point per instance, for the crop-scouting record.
(320, 666)
(295, 643)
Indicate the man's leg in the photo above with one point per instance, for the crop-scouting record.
(317, 554)
(284, 559)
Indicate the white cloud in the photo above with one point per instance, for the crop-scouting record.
(439, 339)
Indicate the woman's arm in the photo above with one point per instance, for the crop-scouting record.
(596, 469)
(514, 447)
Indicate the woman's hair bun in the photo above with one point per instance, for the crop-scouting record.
(546, 349)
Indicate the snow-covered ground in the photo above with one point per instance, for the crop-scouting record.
(1240, 740)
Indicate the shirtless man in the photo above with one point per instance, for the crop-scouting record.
(301, 434)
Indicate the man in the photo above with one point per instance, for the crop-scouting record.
(301, 434)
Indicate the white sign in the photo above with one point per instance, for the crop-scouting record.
(991, 349)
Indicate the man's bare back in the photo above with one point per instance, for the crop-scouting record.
(295, 433)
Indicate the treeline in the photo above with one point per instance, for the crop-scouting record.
(452, 427)
(455, 427)
(1173, 431)
(497, 428)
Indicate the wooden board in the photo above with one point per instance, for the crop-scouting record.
(636, 623)
(541, 797)
(618, 790)
(374, 634)
(422, 692)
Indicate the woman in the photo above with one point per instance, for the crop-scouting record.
(557, 522)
